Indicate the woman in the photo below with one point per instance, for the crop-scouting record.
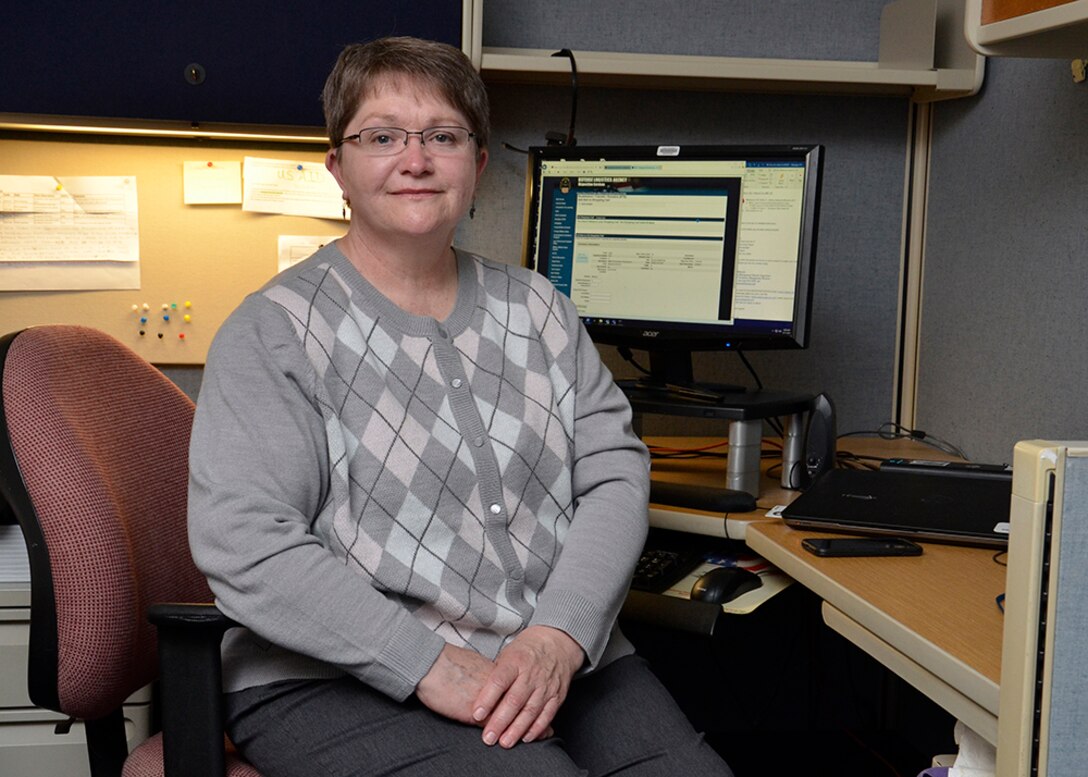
(415, 484)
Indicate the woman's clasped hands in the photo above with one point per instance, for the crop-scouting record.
(513, 698)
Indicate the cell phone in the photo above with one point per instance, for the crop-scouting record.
(867, 546)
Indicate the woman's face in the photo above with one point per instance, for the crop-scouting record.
(413, 193)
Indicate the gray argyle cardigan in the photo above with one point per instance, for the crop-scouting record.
(367, 485)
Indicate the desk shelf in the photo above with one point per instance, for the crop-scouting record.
(922, 55)
(664, 71)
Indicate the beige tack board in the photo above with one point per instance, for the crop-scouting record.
(208, 255)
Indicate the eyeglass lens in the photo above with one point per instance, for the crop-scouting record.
(387, 141)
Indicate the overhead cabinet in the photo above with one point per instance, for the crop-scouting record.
(196, 64)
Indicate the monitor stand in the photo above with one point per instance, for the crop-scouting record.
(712, 393)
(671, 379)
(745, 410)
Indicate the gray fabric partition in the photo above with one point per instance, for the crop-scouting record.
(783, 29)
(852, 351)
(1005, 318)
(1067, 746)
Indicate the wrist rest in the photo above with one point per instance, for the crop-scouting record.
(713, 499)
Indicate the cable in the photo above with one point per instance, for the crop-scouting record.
(697, 449)
(629, 357)
(848, 460)
(558, 138)
(748, 364)
(553, 138)
(890, 430)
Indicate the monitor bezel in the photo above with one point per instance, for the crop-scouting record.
(657, 336)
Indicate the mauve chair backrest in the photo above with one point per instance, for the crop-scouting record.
(101, 441)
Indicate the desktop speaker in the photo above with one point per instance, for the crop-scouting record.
(819, 440)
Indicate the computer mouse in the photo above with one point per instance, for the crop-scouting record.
(724, 584)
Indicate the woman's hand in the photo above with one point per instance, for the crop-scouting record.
(454, 683)
(528, 684)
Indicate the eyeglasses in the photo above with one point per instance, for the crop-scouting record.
(390, 141)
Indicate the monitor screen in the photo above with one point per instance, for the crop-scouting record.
(674, 249)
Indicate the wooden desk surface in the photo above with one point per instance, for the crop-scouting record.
(937, 611)
(945, 598)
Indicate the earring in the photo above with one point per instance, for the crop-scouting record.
(472, 210)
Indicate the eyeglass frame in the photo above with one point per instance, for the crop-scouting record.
(358, 136)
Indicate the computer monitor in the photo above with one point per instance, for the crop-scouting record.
(675, 249)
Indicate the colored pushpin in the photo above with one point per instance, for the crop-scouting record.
(187, 318)
(143, 319)
(135, 307)
(173, 306)
(181, 335)
(298, 167)
(188, 304)
(166, 317)
(160, 335)
(142, 333)
(146, 306)
(165, 306)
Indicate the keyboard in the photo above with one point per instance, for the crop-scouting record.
(658, 568)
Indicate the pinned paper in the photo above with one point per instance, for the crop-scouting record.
(213, 183)
(70, 219)
(294, 248)
(66, 233)
(291, 188)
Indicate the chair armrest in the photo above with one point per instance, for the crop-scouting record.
(191, 687)
(189, 615)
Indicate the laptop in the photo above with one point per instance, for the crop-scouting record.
(966, 510)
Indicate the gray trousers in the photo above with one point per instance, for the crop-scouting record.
(618, 721)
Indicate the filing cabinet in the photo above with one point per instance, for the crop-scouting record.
(29, 743)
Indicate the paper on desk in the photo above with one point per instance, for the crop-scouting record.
(291, 188)
(772, 580)
(14, 562)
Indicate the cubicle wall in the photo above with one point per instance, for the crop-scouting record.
(852, 353)
(1004, 313)
(1042, 718)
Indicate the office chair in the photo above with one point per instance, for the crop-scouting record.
(94, 467)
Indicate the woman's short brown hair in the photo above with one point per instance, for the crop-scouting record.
(436, 65)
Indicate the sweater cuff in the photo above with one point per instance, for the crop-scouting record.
(583, 620)
(409, 654)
